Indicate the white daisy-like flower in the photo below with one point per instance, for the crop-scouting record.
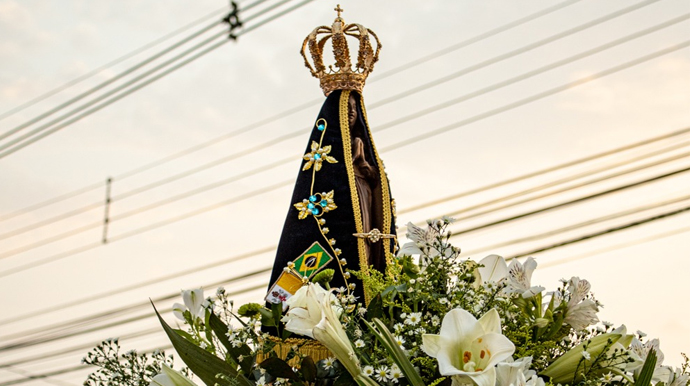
(328, 363)
(413, 318)
(261, 381)
(359, 343)
(236, 343)
(435, 320)
(358, 333)
(382, 373)
(586, 355)
(395, 373)
(399, 340)
(362, 311)
(368, 371)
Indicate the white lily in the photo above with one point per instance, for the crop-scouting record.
(170, 377)
(304, 309)
(193, 300)
(581, 312)
(494, 269)
(639, 352)
(678, 378)
(469, 348)
(313, 312)
(520, 277)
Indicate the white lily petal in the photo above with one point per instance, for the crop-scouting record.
(193, 300)
(459, 323)
(484, 378)
(178, 310)
(176, 378)
(501, 348)
(491, 321)
(431, 344)
(161, 380)
(494, 268)
(409, 249)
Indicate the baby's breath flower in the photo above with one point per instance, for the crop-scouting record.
(359, 343)
(328, 363)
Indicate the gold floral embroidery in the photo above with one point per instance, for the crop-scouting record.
(316, 156)
(317, 204)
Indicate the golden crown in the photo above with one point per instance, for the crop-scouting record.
(341, 75)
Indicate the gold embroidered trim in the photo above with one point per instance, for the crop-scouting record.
(385, 191)
(347, 153)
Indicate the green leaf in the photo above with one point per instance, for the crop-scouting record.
(308, 369)
(278, 368)
(202, 363)
(562, 370)
(647, 372)
(277, 311)
(375, 308)
(384, 336)
(267, 317)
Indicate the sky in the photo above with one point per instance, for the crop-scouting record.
(504, 123)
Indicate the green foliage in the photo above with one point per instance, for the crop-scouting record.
(128, 369)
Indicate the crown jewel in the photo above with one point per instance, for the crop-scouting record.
(341, 75)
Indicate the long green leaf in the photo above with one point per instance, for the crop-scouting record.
(383, 335)
(562, 370)
(202, 363)
(647, 372)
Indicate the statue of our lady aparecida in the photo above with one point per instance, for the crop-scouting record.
(341, 214)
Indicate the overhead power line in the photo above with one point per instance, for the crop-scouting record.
(64, 333)
(415, 139)
(385, 126)
(536, 97)
(635, 241)
(516, 52)
(255, 125)
(602, 233)
(571, 202)
(579, 225)
(566, 180)
(47, 129)
(114, 62)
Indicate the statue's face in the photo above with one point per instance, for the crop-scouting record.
(352, 110)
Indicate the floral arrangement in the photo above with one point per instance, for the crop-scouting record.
(433, 319)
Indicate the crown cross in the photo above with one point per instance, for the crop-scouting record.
(338, 9)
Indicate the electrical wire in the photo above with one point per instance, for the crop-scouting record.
(112, 63)
(385, 126)
(536, 97)
(46, 129)
(569, 179)
(571, 202)
(195, 148)
(400, 144)
(472, 40)
(77, 331)
(601, 233)
(515, 52)
(579, 225)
